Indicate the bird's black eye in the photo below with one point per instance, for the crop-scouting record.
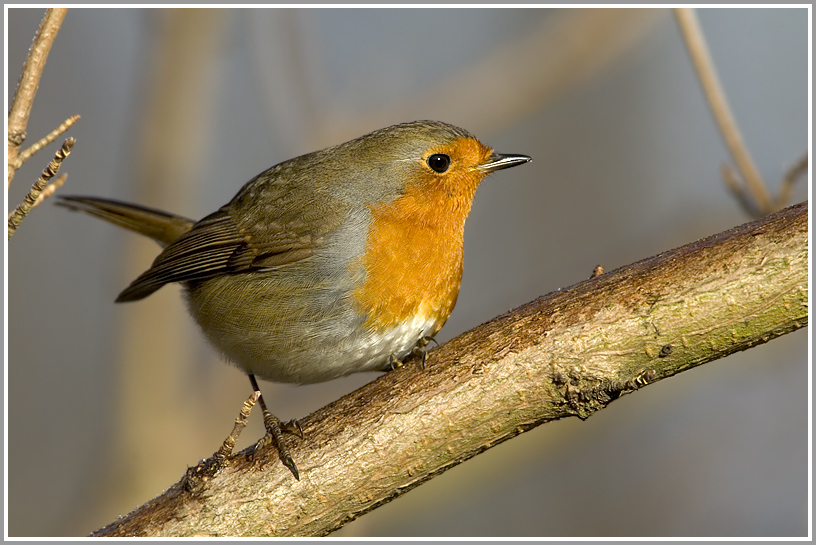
(439, 162)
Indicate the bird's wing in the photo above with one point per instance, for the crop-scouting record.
(218, 245)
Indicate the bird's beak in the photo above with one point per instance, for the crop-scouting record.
(498, 161)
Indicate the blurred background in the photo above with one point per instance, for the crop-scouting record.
(108, 404)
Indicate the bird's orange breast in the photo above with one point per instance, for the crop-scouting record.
(413, 257)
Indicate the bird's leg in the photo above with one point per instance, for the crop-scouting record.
(394, 361)
(274, 432)
(419, 349)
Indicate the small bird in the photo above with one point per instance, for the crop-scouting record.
(339, 261)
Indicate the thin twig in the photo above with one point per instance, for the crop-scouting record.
(700, 56)
(733, 183)
(50, 189)
(19, 213)
(793, 174)
(196, 476)
(50, 137)
(29, 83)
(240, 423)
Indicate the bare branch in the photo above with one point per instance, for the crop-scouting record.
(700, 56)
(240, 423)
(30, 82)
(44, 141)
(50, 189)
(736, 187)
(569, 353)
(793, 174)
(32, 197)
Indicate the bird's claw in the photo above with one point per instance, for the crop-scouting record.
(420, 351)
(293, 427)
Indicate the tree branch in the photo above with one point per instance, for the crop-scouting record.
(29, 83)
(44, 141)
(37, 190)
(752, 193)
(569, 353)
(698, 49)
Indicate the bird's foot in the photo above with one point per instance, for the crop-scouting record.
(274, 436)
(420, 351)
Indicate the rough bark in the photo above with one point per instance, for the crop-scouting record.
(569, 353)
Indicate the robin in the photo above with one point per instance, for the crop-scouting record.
(339, 261)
